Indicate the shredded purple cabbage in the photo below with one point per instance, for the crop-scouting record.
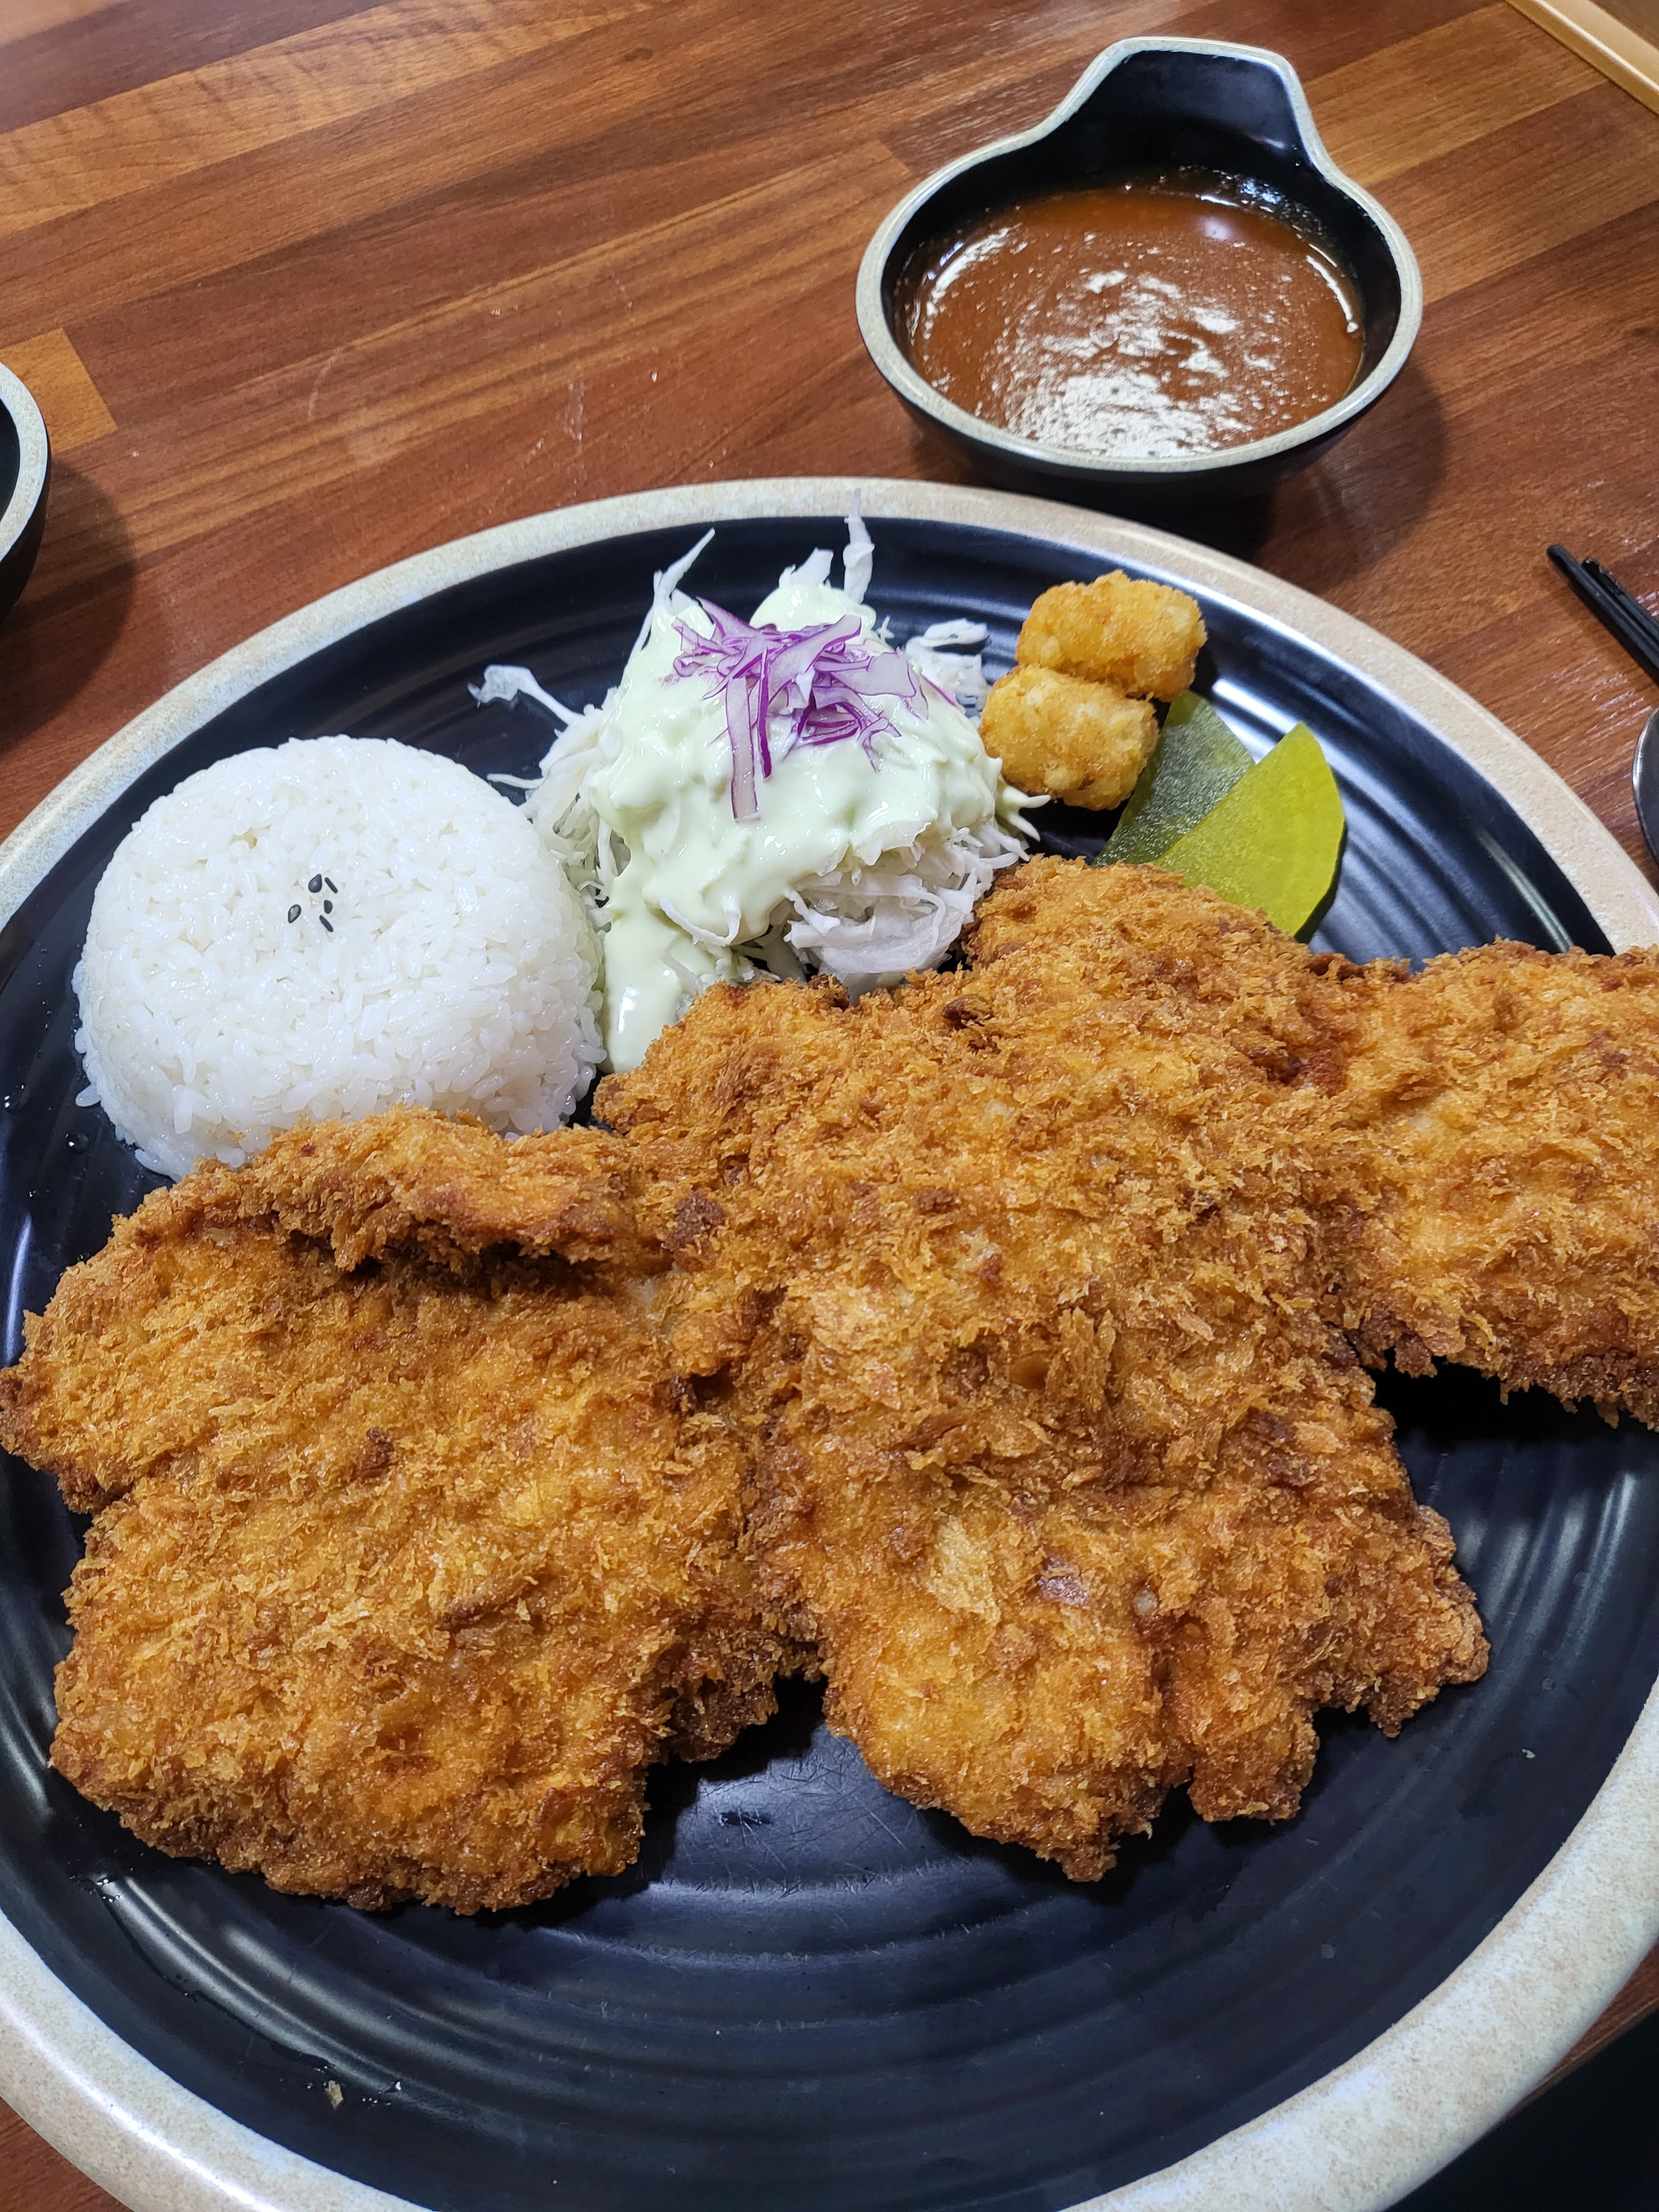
(822, 679)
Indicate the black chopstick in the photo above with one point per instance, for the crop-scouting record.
(1617, 610)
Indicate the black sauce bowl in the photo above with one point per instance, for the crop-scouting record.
(1166, 104)
(25, 465)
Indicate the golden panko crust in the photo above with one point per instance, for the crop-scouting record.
(1143, 637)
(1506, 1098)
(409, 1574)
(1061, 1466)
(1084, 743)
(996, 1346)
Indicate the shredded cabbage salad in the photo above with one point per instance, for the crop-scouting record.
(773, 797)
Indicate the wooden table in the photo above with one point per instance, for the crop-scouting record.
(304, 286)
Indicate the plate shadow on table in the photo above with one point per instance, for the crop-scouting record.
(1592, 2141)
(74, 606)
(1350, 510)
(1331, 522)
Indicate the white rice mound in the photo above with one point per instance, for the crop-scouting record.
(442, 958)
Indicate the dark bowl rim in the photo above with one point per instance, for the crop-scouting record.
(33, 458)
(1117, 468)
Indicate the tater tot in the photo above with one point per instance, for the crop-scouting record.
(1142, 637)
(1086, 743)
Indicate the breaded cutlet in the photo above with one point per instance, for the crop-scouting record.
(997, 1343)
(1061, 1466)
(1504, 1102)
(411, 1569)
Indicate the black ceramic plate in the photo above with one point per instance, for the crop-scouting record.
(807, 1993)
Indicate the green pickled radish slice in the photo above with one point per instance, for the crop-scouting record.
(1274, 840)
(1197, 762)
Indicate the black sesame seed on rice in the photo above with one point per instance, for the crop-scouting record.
(488, 908)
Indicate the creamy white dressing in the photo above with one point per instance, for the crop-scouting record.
(699, 882)
(863, 862)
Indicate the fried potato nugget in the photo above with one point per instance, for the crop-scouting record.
(1142, 637)
(1083, 742)
(410, 1574)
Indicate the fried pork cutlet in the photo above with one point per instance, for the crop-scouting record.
(1048, 1279)
(1504, 1102)
(410, 1571)
(1060, 1462)
(1022, 1313)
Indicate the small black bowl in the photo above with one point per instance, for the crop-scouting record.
(1171, 104)
(25, 464)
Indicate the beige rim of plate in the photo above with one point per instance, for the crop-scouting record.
(1364, 2134)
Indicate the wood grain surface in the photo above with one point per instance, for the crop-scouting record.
(303, 287)
(1621, 39)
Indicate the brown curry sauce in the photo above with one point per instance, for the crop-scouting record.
(1162, 314)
